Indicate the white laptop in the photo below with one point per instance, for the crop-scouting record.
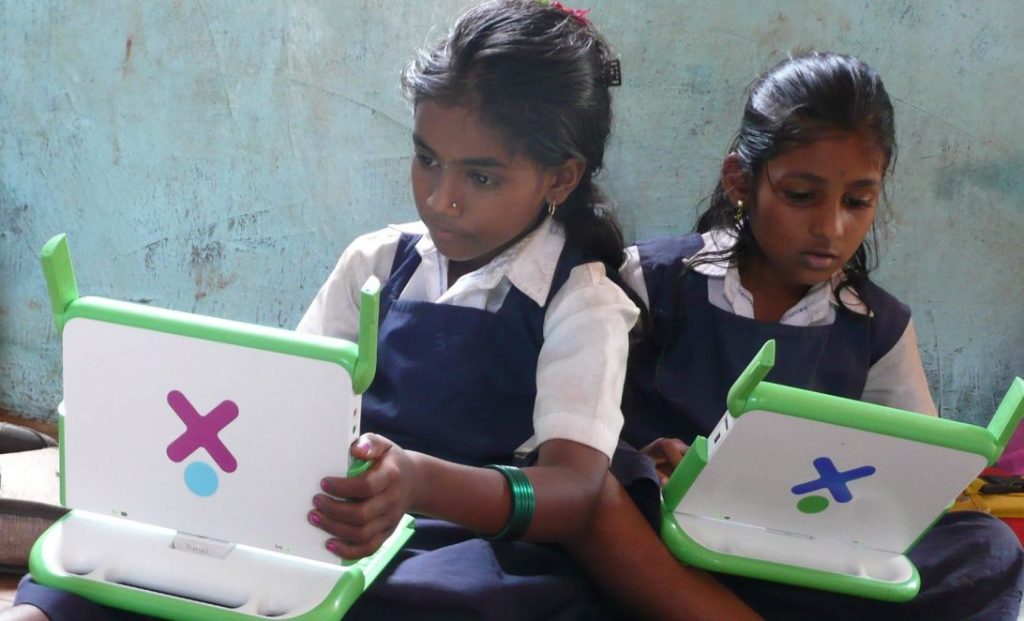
(191, 449)
(819, 491)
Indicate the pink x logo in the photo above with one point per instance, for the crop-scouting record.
(201, 431)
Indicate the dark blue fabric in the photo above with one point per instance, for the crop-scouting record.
(455, 382)
(971, 564)
(460, 383)
(971, 567)
(468, 383)
(448, 572)
(677, 383)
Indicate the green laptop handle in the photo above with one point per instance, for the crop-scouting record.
(990, 442)
(358, 466)
(60, 277)
(748, 380)
(366, 360)
(360, 360)
(1008, 414)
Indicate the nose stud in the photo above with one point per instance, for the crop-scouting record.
(454, 206)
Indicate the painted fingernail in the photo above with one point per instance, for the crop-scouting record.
(316, 501)
(332, 547)
(364, 444)
(314, 518)
(323, 485)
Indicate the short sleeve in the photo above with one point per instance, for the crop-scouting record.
(897, 379)
(582, 363)
(335, 309)
(633, 274)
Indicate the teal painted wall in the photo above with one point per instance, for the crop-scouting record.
(217, 156)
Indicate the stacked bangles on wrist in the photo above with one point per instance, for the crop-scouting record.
(522, 504)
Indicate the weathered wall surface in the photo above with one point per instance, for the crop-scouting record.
(217, 156)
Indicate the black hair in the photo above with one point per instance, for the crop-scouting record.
(539, 76)
(795, 103)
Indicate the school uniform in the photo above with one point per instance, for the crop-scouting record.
(531, 347)
(703, 336)
(537, 332)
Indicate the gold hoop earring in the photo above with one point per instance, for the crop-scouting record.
(738, 214)
(552, 206)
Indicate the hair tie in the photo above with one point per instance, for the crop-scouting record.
(611, 71)
(580, 15)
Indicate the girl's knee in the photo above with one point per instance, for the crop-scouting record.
(988, 532)
(971, 544)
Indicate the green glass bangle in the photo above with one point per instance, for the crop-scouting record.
(522, 504)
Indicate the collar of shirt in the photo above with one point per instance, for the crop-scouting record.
(529, 265)
(818, 306)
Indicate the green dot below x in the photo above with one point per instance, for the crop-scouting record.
(812, 504)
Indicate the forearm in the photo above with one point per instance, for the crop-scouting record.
(625, 557)
(476, 498)
(566, 482)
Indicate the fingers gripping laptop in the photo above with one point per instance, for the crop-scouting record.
(190, 449)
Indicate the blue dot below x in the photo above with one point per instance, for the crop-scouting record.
(833, 480)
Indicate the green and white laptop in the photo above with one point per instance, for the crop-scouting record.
(191, 448)
(819, 491)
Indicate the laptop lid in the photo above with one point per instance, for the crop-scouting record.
(822, 480)
(811, 485)
(217, 429)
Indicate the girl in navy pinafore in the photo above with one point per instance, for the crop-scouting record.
(503, 333)
(782, 255)
(474, 371)
(970, 565)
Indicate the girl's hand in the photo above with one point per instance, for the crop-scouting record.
(666, 454)
(361, 512)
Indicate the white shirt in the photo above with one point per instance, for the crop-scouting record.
(582, 363)
(897, 379)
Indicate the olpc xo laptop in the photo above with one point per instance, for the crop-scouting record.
(191, 448)
(820, 491)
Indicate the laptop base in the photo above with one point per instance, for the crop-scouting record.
(158, 572)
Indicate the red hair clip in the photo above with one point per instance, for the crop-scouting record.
(579, 15)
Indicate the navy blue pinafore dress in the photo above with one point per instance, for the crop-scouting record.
(971, 565)
(460, 383)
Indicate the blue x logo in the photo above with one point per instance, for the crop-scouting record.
(833, 480)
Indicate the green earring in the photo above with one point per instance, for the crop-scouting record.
(738, 214)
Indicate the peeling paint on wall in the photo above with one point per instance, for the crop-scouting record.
(217, 157)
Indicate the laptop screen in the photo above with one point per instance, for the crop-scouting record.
(208, 438)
